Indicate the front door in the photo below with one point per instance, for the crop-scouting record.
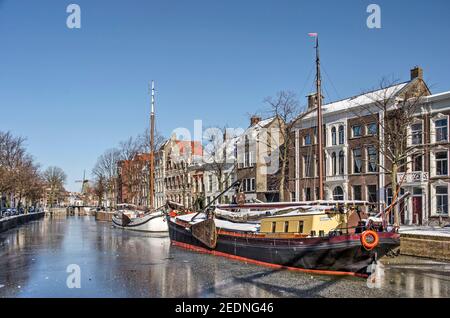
(417, 210)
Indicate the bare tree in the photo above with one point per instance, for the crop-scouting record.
(54, 178)
(12, 151)
(394, 108)
(143, 141)
(218, 155)
(106, 170)
(285, 108)
(19, 174)
(100, 188)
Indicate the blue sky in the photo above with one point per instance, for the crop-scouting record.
(76, 93)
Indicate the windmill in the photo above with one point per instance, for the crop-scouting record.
(84, 183)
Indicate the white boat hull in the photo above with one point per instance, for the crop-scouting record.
(153, 222)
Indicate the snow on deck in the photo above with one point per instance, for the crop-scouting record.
(227, 225)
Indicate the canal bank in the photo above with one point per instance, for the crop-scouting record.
(10, 222)
(429, 242)
(35, 257)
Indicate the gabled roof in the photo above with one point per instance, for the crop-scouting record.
(189, 147)
(254, 129)
(358, 100)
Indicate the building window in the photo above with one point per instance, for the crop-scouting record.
(442, 200)
(308, 166)
(307, 194)
(357, 160)
(338, 194)
(441, 163)
(333, 136)
(357, 193)
(300, 227)
(372, 194)
(333, 163)
(372, 129)
(389, 196)
(356, 131)
(417, 163)
(441, 126)
(341, 135)
(286, 227)
(253, 184)
(248, 159)
(372, 159)
(307, 140)
(341, 162)
(210, 183)
(416, 134)
(274, 227)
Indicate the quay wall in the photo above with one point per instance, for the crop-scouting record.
(104, 216)
(57, 211)
(13, 221)
(429, 246)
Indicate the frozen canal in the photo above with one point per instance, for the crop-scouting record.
(114, 263)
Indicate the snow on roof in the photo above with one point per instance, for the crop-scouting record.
(439, 96)
(359, 100)
(253, 130)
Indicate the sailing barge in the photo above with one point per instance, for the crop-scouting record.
(311, 241)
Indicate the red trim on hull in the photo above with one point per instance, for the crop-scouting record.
(276, 266)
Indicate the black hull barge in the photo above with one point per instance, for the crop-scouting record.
(338, 255)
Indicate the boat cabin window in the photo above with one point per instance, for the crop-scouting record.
(300, 227)
(286, 227)
(274, 227)
(313, 233)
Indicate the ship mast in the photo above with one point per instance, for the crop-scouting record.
(319, 120)
(152, 146)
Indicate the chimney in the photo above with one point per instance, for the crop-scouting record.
(312, 101)
(254, 120)
(416, 72)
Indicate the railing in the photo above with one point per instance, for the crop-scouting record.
(412, 177)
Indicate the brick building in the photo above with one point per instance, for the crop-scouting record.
(132, 180)
(352, 162)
